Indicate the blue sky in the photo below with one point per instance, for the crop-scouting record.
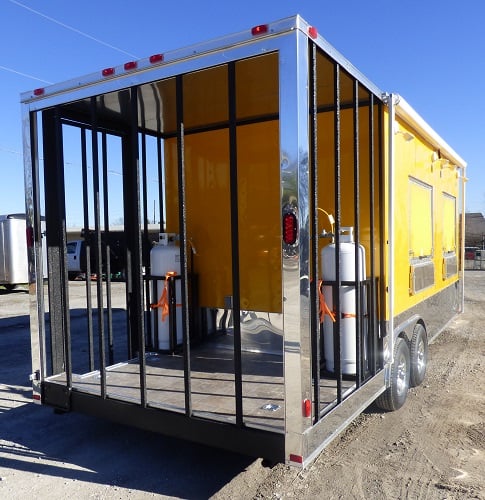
(430, 52)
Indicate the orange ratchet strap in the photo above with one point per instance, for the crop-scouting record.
(163, 301)
(324, 309)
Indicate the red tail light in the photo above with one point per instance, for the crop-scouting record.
(290, 226)
(307, 408)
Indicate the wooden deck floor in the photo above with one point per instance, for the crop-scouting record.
(212, 385)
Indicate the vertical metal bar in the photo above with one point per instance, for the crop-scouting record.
(55, 214)
(338, 281)
(161, 193)
(133, 237)
(357, 264)
(35, 252)
(183, 243)
(99, 255)
(236, 298)
(372, 334)
(89, 305)
(314, 263)
(382, 272)
(172, 315)
(145, 242)
(104, 153)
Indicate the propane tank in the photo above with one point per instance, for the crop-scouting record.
(347, 299)
(165, 258)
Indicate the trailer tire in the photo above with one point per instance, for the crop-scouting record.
(419, 355)
(395, 395)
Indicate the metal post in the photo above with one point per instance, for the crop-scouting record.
(338, 281)
(183, 244)
(236, 302)
(314, 299)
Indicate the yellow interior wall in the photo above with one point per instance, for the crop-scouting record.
(326, 181)
(209, 218)
(207, 178)
(207, 206)
(259, 216)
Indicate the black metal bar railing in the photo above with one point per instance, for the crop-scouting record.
(85, 195)
(372, 220)
(236, 299)
(314, 263)
(183, 243)
(357, 256)
(98, 246)
(337, 194)
(107, 248)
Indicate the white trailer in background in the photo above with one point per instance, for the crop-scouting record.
(13, 251)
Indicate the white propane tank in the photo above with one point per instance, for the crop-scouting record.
(165, 258)
(347, 299)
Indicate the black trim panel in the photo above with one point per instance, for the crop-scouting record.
(244, 440)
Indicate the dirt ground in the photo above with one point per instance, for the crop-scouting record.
(432, 448)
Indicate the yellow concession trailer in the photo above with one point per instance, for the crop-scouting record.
(310, 242)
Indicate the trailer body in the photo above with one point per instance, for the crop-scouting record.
(268, 149)
(13, 251)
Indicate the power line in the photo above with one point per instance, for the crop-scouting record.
(24, 74)
(75, 30)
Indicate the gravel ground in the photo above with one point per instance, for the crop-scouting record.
(432, 448)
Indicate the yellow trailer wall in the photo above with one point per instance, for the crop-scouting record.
(425, 215)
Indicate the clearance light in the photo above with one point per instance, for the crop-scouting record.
(312, 32)
(36, 397)
(259, 30)
(156, 58)
(307, 408)
(38, 92)
(296, 458)
(289, 228)
(130, 65)
(108, 72)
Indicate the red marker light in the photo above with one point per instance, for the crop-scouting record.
(312, 32)
(296, 458)
(290, 225)
(156, 58)
(307, 408)
(108, 72)
(130, 65)
(259, 30)
(38, 92)
(36, 397)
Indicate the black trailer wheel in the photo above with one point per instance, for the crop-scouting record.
(395, 395)
(419, 355)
